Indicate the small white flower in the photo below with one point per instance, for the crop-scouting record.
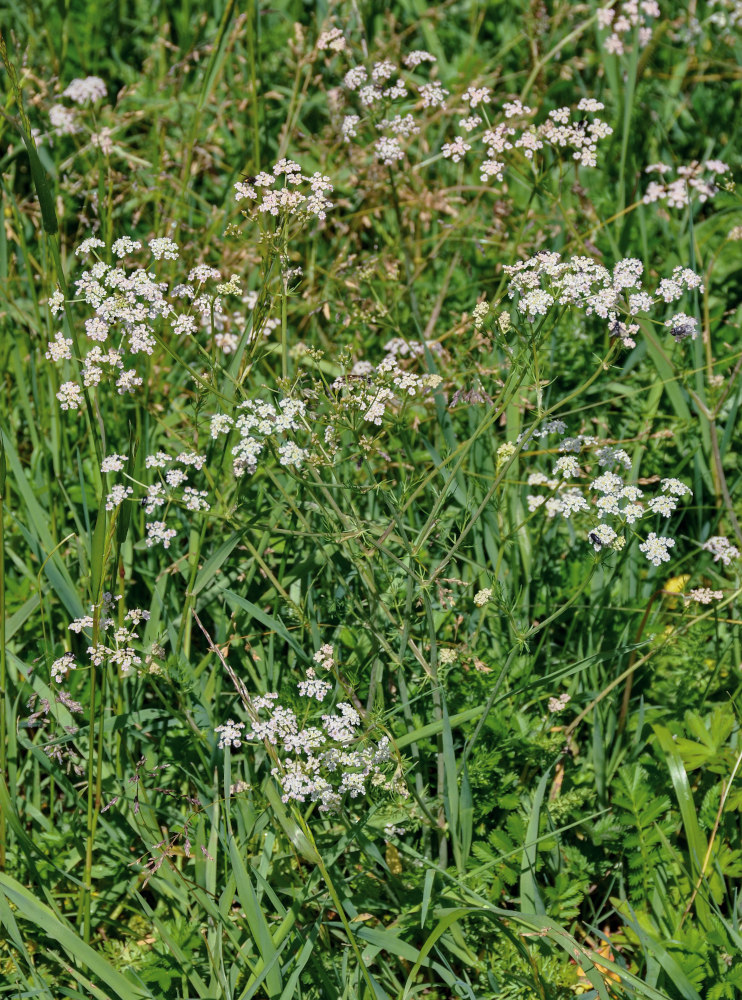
(655, 548)
(703, 595)
(568, 467)
(63, 120)
(70, 396)
(676, 487)
(91, 88)
(348, 128)
(125, 245)
(432, 94)
(59, 349)
(159, 533)
(355, 77)
(416, 58)
(313, 687)
(174, 477)
(557, 705)
(163, 248)
(325, 656)
(230, 734)
(128, 381)
(291, 454)
(388, 150)
(455, 150)
(61, 667)
(470, 123)
(608, 483)
(195, 499)
(113, 463)
(476, 95)
(482, 597)
(80, 623)
(663, 504)
(56, 301)
(721, 548)
(118, 494)
(600, 536)
(682, 326)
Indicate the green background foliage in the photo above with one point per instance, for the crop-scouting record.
(595, 851)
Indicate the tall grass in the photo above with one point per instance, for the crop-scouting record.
(524, 780)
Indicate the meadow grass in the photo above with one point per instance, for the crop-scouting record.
(370, 535)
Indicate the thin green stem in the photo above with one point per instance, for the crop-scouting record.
(4, 694)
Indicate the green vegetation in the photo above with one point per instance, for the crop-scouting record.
(370, 554)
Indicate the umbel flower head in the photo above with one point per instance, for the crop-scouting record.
(616, 296)
(286, 192)
(321, 762)
(129, 309)
(588, 485)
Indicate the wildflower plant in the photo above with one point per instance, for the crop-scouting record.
(317, 763)
(587, 486)
(368, 469)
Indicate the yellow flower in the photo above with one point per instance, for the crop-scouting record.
(675, 585)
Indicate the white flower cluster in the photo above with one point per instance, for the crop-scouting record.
(316, 763)
(575, 489)
(230, 734)
(279, 193)
(129, 306)
(260, 424)
(90, 88)
(173, 487)
(209, 310)
(386, 84)
(564, 128)
(61, 667)
(67, 121)
(655, 548)
(622, 19)
(63, 120)
(325, 656)
(479, 314)
(727, 17)
(332, 40)
(557, 705)
(682, 326)
(581, 283)
(369, 390)
(116, 643)
(696, 180)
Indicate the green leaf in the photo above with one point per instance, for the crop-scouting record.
(44, 920)
(530, 897)
(256, 921)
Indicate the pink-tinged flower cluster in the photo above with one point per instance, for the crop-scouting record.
(625, 19)
(393, 101)
(286, 192)
(722, 549)
(697, 180)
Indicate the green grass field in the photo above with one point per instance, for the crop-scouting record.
(371, 500)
